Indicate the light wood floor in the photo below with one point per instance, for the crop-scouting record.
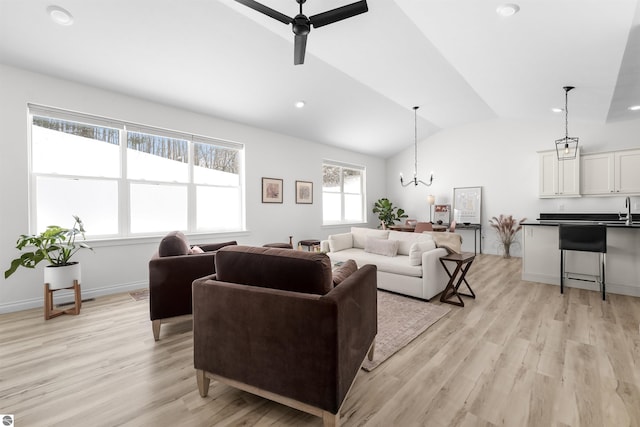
(521, 354)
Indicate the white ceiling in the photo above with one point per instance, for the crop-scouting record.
(457, 59)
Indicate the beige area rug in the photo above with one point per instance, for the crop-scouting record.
(400, 320)
(140, 294)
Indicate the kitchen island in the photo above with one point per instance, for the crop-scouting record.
(541, 253)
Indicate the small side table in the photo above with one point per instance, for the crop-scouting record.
(463, 262)
(310, 243)
(50, 313)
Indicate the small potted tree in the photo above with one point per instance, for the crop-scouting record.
(387, 213)
(56, 245)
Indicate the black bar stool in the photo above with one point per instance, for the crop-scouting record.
(585, 238)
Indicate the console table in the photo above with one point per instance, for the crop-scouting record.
(477, 230)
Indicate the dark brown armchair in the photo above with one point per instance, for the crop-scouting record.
(172, 270)
(270, 322)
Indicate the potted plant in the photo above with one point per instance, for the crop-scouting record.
(56, 245)
(387, 213)
(506, 227)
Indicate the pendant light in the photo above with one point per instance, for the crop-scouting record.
(567, 147)
(415, 179)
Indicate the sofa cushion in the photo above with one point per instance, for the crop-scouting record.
(297, 271)
(173, 244)
(381, 246)
(415, 254)
(345, 270)
(389, 264)
(339, 242)
(360, 235)
(405, 240)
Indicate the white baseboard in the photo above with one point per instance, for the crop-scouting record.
(67, 296)
(613, 288)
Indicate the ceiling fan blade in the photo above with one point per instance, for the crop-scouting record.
(338, 14)
(267, 11)
(299, 48)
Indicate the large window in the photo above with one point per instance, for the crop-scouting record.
(125, 180)
(342, 193)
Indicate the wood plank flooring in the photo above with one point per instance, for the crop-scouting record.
(521, 354)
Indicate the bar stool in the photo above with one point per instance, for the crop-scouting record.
(584, 238)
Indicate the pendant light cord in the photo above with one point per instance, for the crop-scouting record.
(566, 112)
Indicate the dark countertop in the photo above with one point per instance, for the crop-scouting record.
(609, 219)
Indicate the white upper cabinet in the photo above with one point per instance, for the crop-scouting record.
(597, 173)
(611, 173)
(627, 171)
(558, 178)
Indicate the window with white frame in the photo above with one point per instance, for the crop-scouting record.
(343, 189)
(124, 179)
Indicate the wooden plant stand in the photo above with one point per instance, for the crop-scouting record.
(49, 311)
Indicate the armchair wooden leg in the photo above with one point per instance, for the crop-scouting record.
(203, 382)
(330, 420)
(155, 326)
(371, 350)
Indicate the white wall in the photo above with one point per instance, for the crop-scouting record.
(500, 156)
(122, 265)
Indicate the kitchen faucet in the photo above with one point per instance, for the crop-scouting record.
(627, 217)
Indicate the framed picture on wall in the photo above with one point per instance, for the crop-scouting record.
(304, 192)
(271, 190)
(467, 203)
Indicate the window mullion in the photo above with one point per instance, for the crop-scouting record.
(191, 191)
(124, 217)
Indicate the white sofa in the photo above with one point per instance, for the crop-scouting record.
(414, 269)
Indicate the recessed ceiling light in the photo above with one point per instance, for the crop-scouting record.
(60, 15)
(507, 9)
(557, 110)
(634, 108)
(300, 104)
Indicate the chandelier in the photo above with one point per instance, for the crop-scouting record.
(415, 179)
(567, 147)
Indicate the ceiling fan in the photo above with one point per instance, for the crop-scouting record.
(301, 25)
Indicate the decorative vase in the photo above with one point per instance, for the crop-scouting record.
(507, 251)
(62, 276)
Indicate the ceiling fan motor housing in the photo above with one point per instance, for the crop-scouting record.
(301, 25)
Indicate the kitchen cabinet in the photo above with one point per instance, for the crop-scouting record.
(558, 178)
(610, 173)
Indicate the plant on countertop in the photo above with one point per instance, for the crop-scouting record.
(506, 227)
(56, 244)
(387, 213)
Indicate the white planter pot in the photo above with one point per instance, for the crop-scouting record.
(59, 277)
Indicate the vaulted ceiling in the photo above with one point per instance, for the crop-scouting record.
(459, 60)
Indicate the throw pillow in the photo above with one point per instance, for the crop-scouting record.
(173, 244)
(405, 240)
(339, 242)
(381, 246)
(360, 235)
(345, 270)
(415, 254)
(196, 250)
